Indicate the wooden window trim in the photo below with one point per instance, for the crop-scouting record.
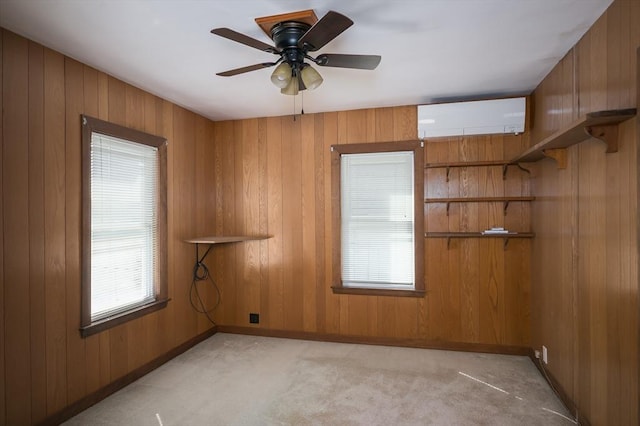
(137, 312)
(161, 288)
(418, 175)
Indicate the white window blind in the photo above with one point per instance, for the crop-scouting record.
(124, 180)
(377, 219)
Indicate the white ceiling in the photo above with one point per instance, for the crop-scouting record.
(432, 50)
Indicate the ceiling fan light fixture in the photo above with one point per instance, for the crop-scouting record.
(310, 77)
(294, 35)
(281, 76)
(292, 88)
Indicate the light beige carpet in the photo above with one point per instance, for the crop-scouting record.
(247, 380)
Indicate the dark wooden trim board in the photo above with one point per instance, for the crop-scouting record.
(134, 313)
(100, 394)
(557, 387)
(89, 400)
(384, 341)
(377, 291)
(416, 343)
(638, 199)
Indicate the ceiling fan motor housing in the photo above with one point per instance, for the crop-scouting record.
(286, 35)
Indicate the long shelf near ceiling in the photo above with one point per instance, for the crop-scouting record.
(602, 125)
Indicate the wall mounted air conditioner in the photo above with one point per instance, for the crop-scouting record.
(472, 118)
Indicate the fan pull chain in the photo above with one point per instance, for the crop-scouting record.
(301, 105)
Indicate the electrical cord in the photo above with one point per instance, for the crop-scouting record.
(201, 273)
(546, 376)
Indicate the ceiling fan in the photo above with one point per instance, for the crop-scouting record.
(294, 38)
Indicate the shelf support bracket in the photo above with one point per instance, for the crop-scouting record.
(506, 167)
(558, 154)
(505, 243)
(448, 243)
(199, 259)
(518, 165)
(448, 170)
(506, 206)
(605, 133)
(448, 204)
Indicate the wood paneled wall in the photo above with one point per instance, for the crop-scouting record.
(261, 176)
(44, 364)
(479, 289)
(273, 177)
(585, 254)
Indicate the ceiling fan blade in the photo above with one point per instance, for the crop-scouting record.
(362, 62)
(246, 69)
(326, 29)
(244, 39)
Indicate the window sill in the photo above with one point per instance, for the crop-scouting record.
(377, 292)
(104, 324)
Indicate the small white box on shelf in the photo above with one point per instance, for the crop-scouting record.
(495, 231)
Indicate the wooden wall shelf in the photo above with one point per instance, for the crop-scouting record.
(221, 240)
(505, 237)
(226, 239)
(458, 164)
(504, 200)
(602, 125)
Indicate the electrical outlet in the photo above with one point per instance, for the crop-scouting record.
(544, 355)
(254, 318)
(537, 354)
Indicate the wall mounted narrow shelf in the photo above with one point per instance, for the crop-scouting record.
(602, 125)
(505, 237)
(226, 239)
(458, 164)
(504, 200)
(221, 240)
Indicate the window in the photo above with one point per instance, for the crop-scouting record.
(378, 218)
(124, 224)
